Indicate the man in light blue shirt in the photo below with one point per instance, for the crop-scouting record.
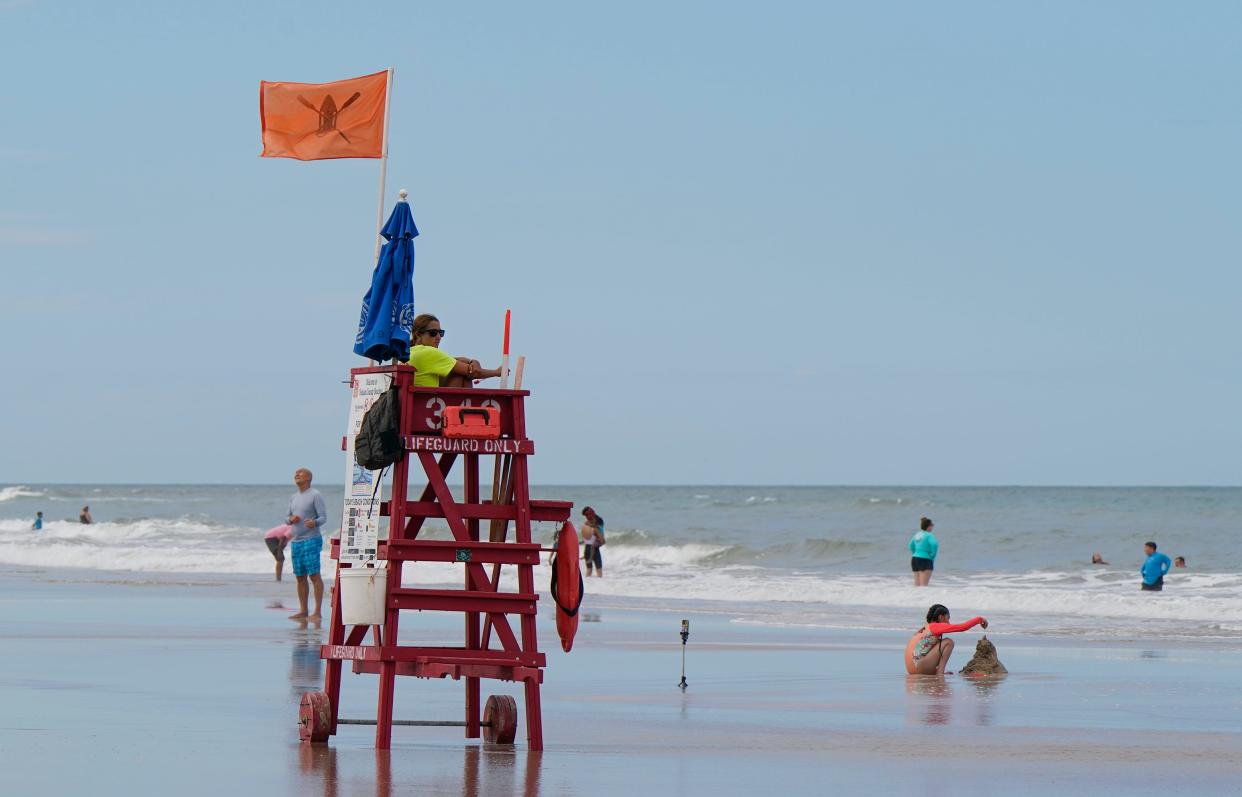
(307, 516)
(1154, 568)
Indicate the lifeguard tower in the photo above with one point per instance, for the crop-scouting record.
(499, 635)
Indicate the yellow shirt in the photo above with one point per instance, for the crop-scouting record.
(431, 365)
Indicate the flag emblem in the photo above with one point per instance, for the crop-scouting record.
(304, 121)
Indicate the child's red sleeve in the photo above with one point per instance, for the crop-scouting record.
(953, 628)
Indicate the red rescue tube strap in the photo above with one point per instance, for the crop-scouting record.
(569, 612)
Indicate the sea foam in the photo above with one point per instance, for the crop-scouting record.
(19, 491)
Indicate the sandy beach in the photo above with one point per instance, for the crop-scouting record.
(121, 682)
(789, 307)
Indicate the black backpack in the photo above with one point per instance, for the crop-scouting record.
(378, 443)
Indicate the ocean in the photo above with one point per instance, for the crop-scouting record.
(817, 556)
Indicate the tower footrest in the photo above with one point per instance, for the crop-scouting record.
(451, 655)
(503, 553)
(463, 600)
(550, 511)
(456, 670)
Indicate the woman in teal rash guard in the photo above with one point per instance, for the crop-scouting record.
(923, 547)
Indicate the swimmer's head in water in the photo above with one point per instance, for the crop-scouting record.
(936, 612)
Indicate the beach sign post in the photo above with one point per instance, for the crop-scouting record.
(364, 489)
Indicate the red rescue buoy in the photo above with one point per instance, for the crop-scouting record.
(567, 584)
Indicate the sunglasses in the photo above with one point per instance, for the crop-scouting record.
(434, 332)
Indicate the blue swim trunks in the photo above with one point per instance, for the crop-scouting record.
(306, 556)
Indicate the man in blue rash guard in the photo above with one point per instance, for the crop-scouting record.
(1154, 568)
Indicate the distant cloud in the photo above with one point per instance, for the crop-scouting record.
(26, 154)
(29, 229)
(28, 236)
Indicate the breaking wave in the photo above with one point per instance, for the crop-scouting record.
(19, 491)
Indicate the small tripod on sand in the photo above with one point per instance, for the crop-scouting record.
(685, 634)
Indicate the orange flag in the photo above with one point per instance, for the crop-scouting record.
(316, 121)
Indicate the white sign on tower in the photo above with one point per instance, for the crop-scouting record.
(364, 489)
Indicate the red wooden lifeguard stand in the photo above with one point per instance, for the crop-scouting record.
(486, 608)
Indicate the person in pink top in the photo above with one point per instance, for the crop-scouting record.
(928, 651)
(277, 538)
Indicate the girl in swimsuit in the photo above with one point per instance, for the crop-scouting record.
(928, 651)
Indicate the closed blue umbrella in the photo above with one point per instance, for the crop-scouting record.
(388, 307)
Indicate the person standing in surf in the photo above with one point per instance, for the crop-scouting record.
(85, 516)
(1153, 569)
(38, 523)
(923, 548)
(277, 539)
(593, 536)
(307, 516)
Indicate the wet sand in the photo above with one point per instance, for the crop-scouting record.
(116, 683)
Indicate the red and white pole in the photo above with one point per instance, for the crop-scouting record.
(504, 362)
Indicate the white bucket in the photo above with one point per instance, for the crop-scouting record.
(364, 591)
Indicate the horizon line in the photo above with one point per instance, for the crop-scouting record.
(1048, 486)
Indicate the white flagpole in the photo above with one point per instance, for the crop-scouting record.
(379, 213)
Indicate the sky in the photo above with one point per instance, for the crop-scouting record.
(791, 243)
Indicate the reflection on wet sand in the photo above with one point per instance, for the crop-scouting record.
(305, 666)
(383, 773)
(985, 686)
(318, 761)
(485, 770)
(501, 762)
(938, 708)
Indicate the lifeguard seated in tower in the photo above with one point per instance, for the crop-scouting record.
(434, 367)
